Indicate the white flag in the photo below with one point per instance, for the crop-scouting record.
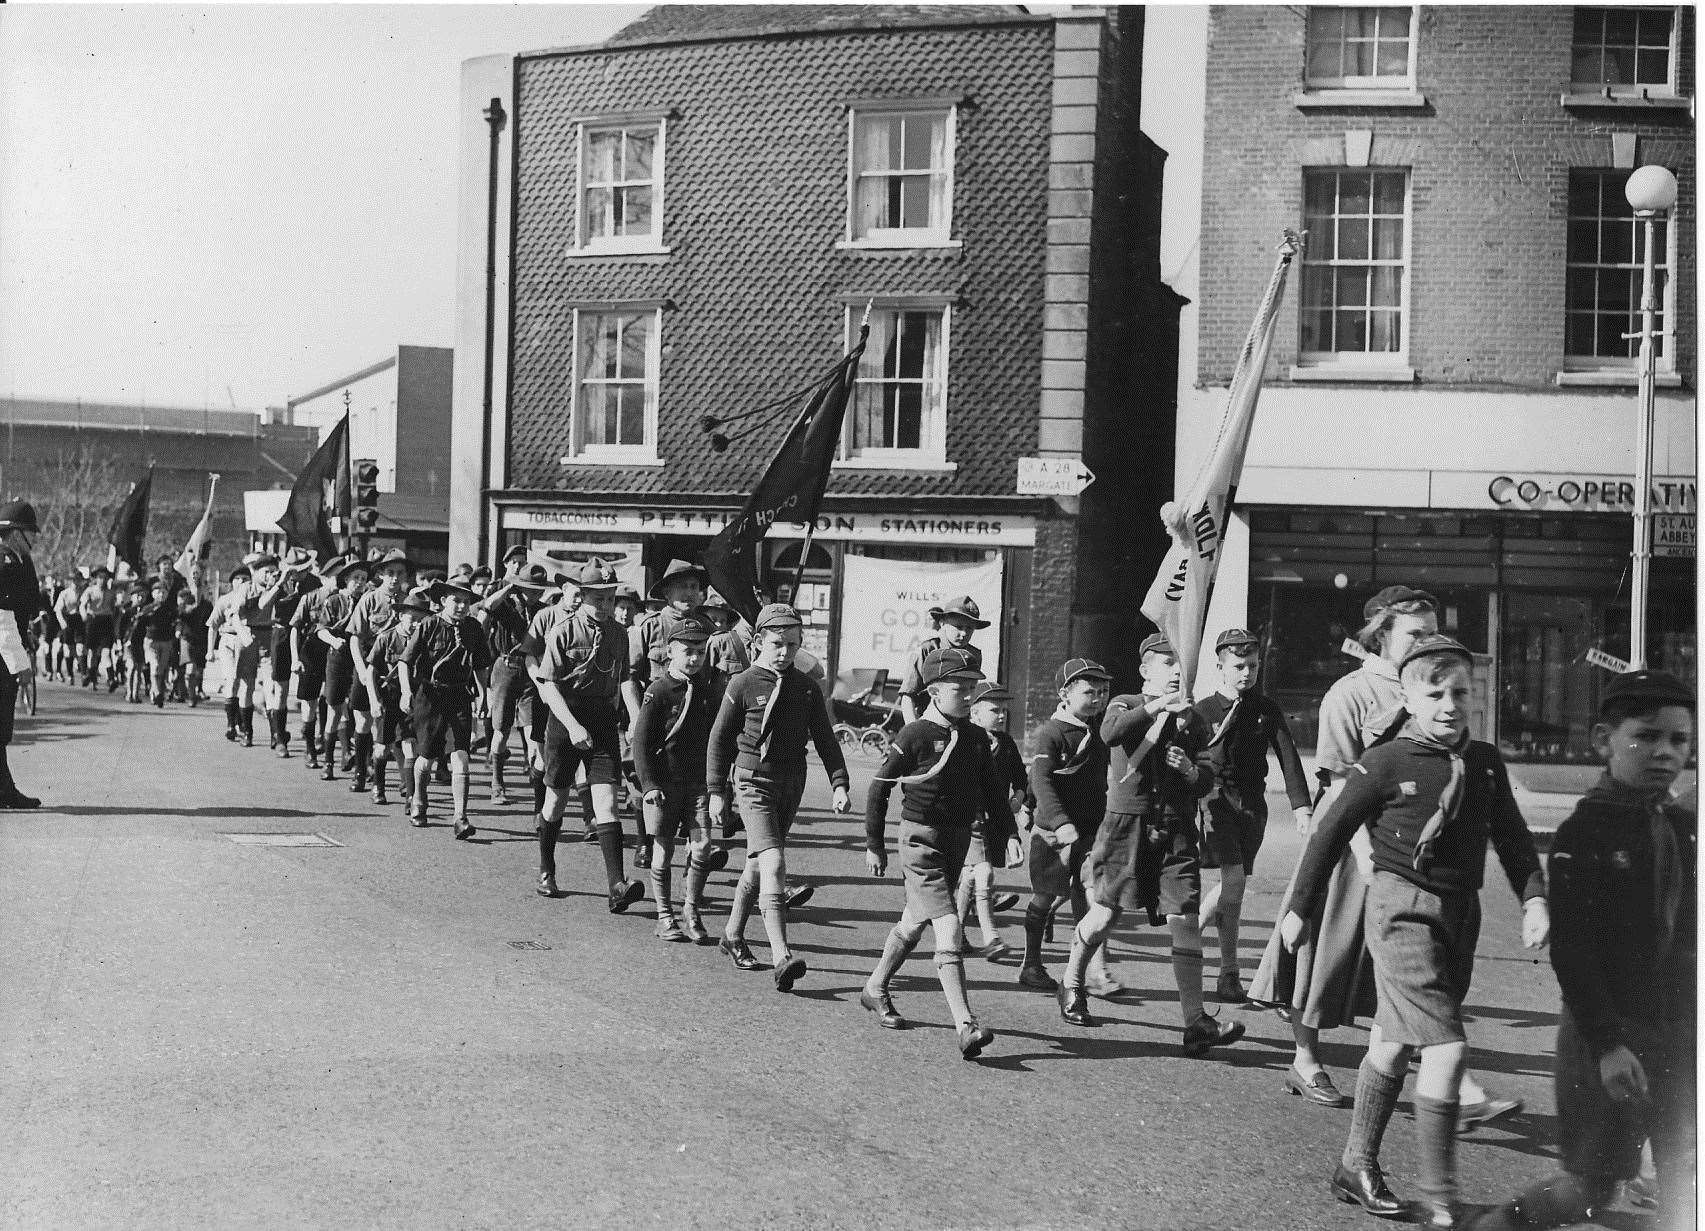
(1178, 600)
(200, 542)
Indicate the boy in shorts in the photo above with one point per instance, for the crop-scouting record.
(669, 741)
(988, 714)
(1624, 885)
(947, 772)
(1430, 799)
(441, 662)
(395, 722)
(769, 712)
(1068, 778)
(330, 613)
(954, 621)
(1243, 722)
(1147, 851)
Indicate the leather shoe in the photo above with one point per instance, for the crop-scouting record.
(1228, 989)
(1206, 1032)
(624, 894)
(1471, 1116)
(1367, 1188)
(1037, 979)
(789, 973)
(799, 895)
(1320, 1089)
(737, 952)
(973, 1038)
(995, 950)
(716, 858)
(669, 928)
(1104, 986)
(464, 830)
(1074, 1006)
(546, 888)
(1003, 901)
(642, 856)
(887, 1016)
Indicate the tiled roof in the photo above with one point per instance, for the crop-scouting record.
(755, 202)
(672, 23)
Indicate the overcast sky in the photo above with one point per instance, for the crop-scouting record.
(263, 198)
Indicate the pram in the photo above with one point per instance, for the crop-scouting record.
(864, 717)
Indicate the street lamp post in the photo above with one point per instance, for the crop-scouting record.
(1651, 190)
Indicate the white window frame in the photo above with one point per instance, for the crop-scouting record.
(931, 454)
(601, 245)
(1375, 83)
(644, 453)
(1616, 369)
(901, 237)
(1365, 365)
(1669, 88)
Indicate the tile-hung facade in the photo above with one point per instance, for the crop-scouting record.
(704, 207)
(1452, 398)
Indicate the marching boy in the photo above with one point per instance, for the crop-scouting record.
(395, 723)
(988, 714)
(768, 713)
(947, 772)
(441, 666)
(954, 621)
(1429, 799)
(1624, 883)
(669, 741)
(1243, 723)
(1147, 849)
(1068, 777)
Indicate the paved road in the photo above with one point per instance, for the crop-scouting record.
(199, 1033)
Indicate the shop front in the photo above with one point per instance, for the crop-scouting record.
(1531, 571)
(868, 581)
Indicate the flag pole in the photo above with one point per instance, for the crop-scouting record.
(811, 526)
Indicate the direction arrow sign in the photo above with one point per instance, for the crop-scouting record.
(1053, 476)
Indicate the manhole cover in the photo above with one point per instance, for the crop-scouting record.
(280, 839)
(528, 944)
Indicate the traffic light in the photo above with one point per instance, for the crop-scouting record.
(366, 495)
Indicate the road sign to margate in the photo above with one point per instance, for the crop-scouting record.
(1053, 476)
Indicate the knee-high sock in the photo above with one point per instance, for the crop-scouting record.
(1231, 919)
(661, 876)
(548, 834)
(364, 756)
(1187, 965)
(309, 730)
(328, 741)
(896, 948)
(1035, 923)
(693, 888)
(536, 780)
(962, 895)
(1435, 1134)
(459, 792)
(381, 755)
(610, 845)
(233, 713)
(588, 816)
(498, 761)
(773, 907)
(981, 897)
(422, 774)
(740, 909)
(280, 723)
(249, 721)
(1078, 962)
(1376, 1099)
(950, 969)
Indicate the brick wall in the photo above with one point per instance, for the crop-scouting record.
(1053, 573)
(1490, 155)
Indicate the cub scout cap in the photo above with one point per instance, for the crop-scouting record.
(1081, 669)
(1155, 643)
(776, 615)
(1396, 596)
(595, 575)
(1434, 645)
(693, 629)
(991, 691)
(949, 664)
(964, 608)
(1235, 638)
(1657, 687)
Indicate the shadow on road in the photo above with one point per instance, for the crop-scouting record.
(221, 812)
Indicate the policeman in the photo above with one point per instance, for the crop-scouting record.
(20, 599)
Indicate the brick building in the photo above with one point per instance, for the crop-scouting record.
(1450, 402)
(692, 217)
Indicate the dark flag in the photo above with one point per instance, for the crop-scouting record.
(130, 524)
(790, 490)
(322, 491)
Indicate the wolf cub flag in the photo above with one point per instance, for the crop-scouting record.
(194, 554)
(130, 525)
(1178, 600)
(322, 490)
(790, 490)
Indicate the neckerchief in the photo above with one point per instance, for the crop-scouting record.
(1450, 799)
(681, 717)
(1158, 730)
(1080, 754)
(766, 724)
(1224, 729)
(933, 770)
(1666, 851)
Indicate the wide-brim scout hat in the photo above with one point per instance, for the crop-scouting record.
(1397, 596)
(949, 665)
(627, 594)
(481, 573)
(328, 570)
(713, 599)
(446, 588)
(677, 569)
(964, 608)
(1434, 645)
(298, 556)
(395, 555)
(462, 574)
(1155, 643)
(777, 615)
(1236, 638)
(517, 550)
(342, 565)
(594, 575)
(990, 691)
(19, 515)
(415, 601)
(533, 577)
(1074, 669)
(1657, 687)
(693, 629)
(260, 559)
